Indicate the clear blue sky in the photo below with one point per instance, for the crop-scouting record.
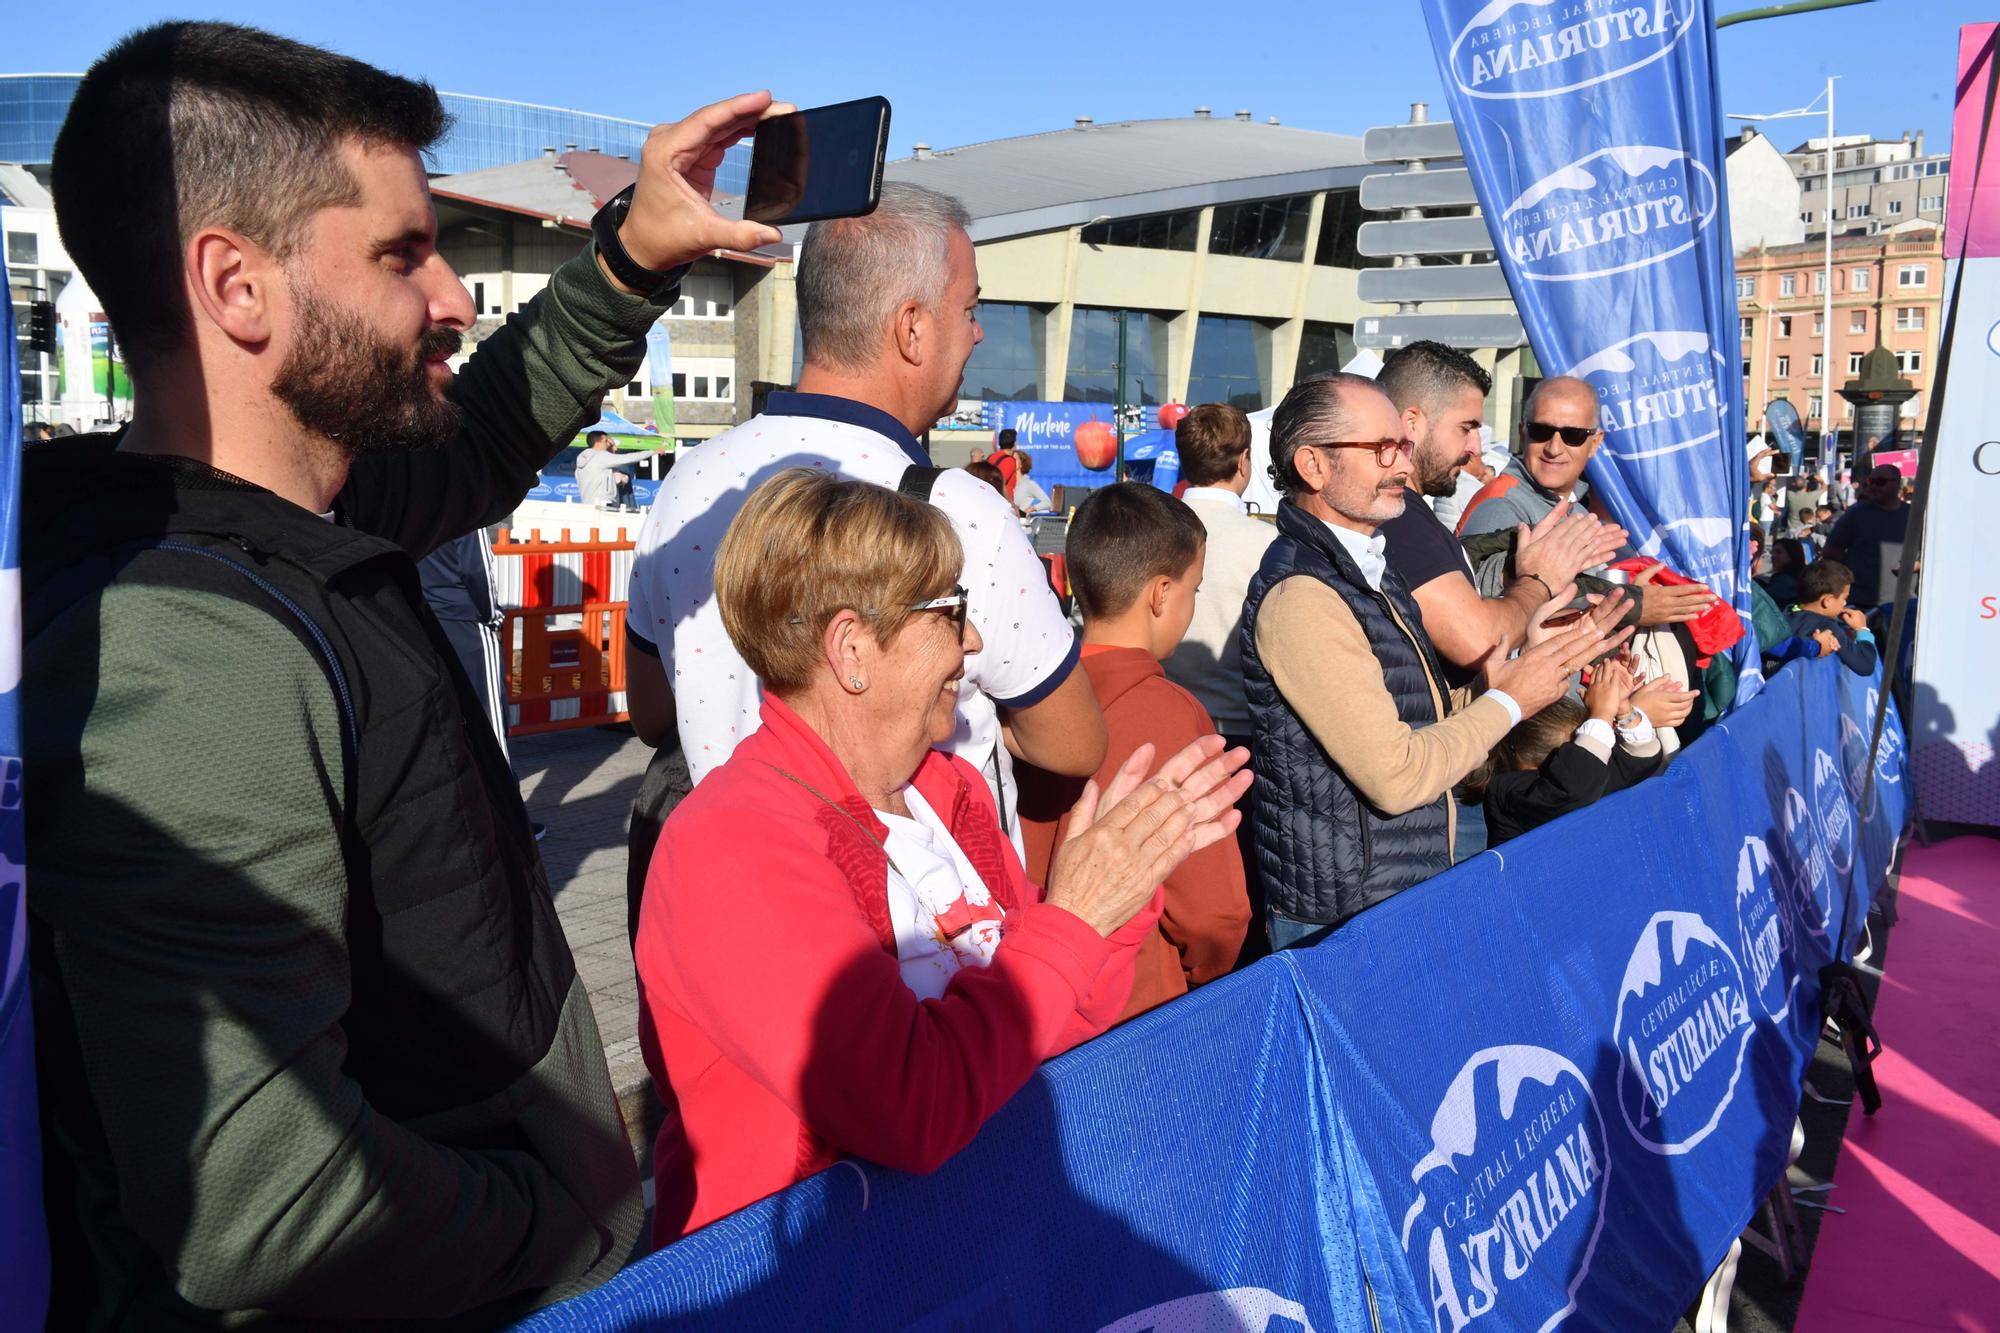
(958, 74)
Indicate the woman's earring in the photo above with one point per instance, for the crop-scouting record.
(854, 681)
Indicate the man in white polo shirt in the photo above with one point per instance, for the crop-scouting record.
(887, 309)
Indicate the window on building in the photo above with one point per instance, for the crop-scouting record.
(1747, 324)
(1857, 280)
(1784, 368)
(1746, 367)
(1909, 362)
(704, 296)
(680, 384)
(1227, 360)
(1324, 347)
(1819, 282)
(635, 390)
(478, 298)
(1007, 364)
(1895, 207)
(1339, 230)
(1847, 409)
(1262, 229)
(1784, 326)
(1812, 406)
(24, 248)
(1909, 318)
(1806, 218)
(1912, 275)
(1092, 371)
(1857, 321)
(1818, 364)
(1157, 231)
(1931, 203)
(1819, 325)
(1857, 210)
(1745, 288)
(1911, 407)
(1788, 285)
(1854, 363)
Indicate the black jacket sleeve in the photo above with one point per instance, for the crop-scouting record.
(1568, 779)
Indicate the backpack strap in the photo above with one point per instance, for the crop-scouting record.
(918, 480)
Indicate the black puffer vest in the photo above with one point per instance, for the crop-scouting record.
(459, 964)
(1324, 851)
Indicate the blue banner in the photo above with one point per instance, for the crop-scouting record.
(1049, 432)
(1551, 1085)
(1594, 138)
(24, 1244)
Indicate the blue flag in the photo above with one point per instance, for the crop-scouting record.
(1595, 145)
(24, 1243)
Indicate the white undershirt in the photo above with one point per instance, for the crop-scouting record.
(929, 878)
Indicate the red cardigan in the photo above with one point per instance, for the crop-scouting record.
(773, 1014)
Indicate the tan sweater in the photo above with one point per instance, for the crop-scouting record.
(1320, 658)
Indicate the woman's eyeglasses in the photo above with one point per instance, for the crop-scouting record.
(1386, 451)
(955, 602)
(1575, 437)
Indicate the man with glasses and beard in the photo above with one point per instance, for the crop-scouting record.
(1359, 737)
(312, 1045)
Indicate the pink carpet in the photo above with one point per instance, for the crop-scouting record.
(1919, 1245)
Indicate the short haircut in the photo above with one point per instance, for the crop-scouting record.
(1558, 384)
(989, 473)
(182, 126)
(1425, 374)
(596, 435)
(1316, 408)
(872, 550)
(854, 272)
(1527, 746)
(1209, 439)
(1123, 536)
(1824, 578)
(1007, 437)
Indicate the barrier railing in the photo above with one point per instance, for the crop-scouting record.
(1550, 1085)
(563, 638)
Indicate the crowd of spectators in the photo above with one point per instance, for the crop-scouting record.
(313, 1046)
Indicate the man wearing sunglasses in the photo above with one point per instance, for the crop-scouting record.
(1441, 394)
(1359, 738)
(1559, 436)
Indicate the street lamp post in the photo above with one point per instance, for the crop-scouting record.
(1827, 437)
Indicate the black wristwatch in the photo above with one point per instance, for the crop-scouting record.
(650, 283)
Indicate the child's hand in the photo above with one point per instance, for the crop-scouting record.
(1664, 703)
(1610, 690)
(1827, 643)
(1854, 620)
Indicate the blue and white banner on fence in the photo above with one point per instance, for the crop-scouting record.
(1594, 139)
(24, 1245)
(1550, 1085)
(1048, 431)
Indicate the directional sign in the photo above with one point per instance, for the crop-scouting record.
(1411, 143)
(1438, 282)
(1424, 236)
(1450, 188)
(1451, 330)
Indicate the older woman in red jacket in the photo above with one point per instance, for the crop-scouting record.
(839, 953)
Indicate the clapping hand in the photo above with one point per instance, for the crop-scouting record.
(1671, 604)
(1124, 841)
(1664, 703)
(1564, 544)
(1609, 693)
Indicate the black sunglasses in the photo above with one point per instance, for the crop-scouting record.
(1573, 436)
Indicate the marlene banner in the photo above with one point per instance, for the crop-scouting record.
(1594, 140)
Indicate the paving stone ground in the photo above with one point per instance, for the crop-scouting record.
(580, 783)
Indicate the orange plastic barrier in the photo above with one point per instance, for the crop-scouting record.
(564, 636)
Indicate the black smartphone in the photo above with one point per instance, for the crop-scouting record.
(1781, 464)
(825, 162)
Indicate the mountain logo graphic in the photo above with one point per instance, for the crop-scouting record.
(1764, 930)
(1682, 1029)
(1854, 767)
(1889, 755)
(1616, 210)
(1659, 392)
(1510, 1198)
(1513, 49)
(1803, 861)
(1835, 810)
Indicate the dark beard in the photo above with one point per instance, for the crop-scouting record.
(1436, 487)
(363, 394)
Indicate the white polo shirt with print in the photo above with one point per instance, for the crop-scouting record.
(1030, 648)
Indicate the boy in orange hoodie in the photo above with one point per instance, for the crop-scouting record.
(1135, 559)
